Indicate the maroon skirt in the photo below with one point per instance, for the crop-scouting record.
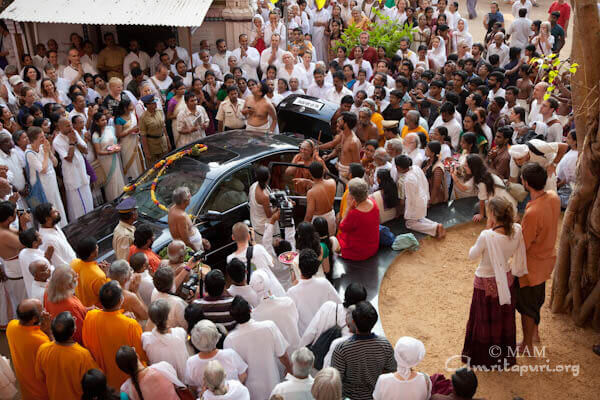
(491, 331)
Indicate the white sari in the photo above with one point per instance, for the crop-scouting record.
(438, 55)
(111, 163)
(461, 36)
(130, 151)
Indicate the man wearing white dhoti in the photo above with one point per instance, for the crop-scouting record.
(70, 148)
(416, 190)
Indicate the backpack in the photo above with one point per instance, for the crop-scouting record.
(386, 237)
(321, 346)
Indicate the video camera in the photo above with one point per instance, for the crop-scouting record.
(190, 286)
(279, 199)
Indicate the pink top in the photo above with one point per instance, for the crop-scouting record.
(154, 383)
(359, 234)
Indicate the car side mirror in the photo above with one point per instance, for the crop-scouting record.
(211, 215)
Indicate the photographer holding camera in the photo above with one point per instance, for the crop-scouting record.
(260, 205)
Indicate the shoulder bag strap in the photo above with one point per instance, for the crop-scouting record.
(249, 252)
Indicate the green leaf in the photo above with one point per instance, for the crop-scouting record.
(556, 62)
(545, 66)
(572, 70)
(574, 65)
(546, 96)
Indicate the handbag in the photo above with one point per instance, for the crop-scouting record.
(36, 194)
(321, 346)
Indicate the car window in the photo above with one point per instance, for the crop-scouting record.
(230, 192)
(279, 180)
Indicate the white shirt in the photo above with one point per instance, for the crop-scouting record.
(534, 112)
(417, 156)
(181, 53)
(416, 190)
(235, 391)
(519, 32)
(336, 97)
(63, 252)
(388, 387)
(178, 306)
(221, 60)
(517, 5)
(249, 62)
(282, 311)
(262, 279)
(452, 19)
(38, 289)
(231, 361)
(269, 31)
(70, 73)
(169, 347)
(201, 69)
(309, 73)
(366, 86)
(142, 58)
(320, 92)
(74, 172)
(294, 388)
(502, 52)
(26, 257)
(454, 129)
(567, 166)
(363, 65)
(498, 93)
(309, 295)
(246, 292)
(554, 132)
(146, 288)
(297, 72)
(266, 56)
(15, 166)
(324, 319)
(260, 344)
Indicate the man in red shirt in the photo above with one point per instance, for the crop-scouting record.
(565, 13)
(369, 53)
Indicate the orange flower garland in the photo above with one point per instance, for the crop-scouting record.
(162, 166)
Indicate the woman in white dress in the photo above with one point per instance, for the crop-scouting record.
(127, 131)
(52, 95)
(217, 387)
(405, 383)
(257, 33)
(461, 34)
(437, 53)
(107, 150)
(40, 163)
(289, 69)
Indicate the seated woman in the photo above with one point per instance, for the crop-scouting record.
(488, 185)
(405, 383)
(434, 171)
(463, 184)
(386, 197)
(308, 238)
(329, 245)
(359, 230)
(217, 387)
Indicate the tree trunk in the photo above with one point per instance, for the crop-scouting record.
(576, 284)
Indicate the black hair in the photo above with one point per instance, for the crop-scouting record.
(163, 279)
(262, 176)
(471, 139)
(240, 310)
(143, 233)
(121, 109)
(28, 237)
(236, 270)
(316, 169)
(520, 111)
(507, 132)
(480, 173)
(110, 295)
(403, 161)
(372, 142)
(364, 316)
(322, 227)
(357, 170)
(127, 361)
(435, 147)
(38, 75)
(193, 314)
(389, 189)
(350, 119)
(307, 237)
(464, 380)
(94, 386)
(500, 101)
(282, 247)
(63, 327)
(494, 59)
(86, 247)
(347, 99)
(137, 261)
(42, 212)
(215, 283)
(27, 316)
(452, 97)
(355, 293)
(308, 262)
(448, 108)
(522, 12)
(535, 175)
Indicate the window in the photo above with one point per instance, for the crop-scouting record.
(230, 192)
(279, 180)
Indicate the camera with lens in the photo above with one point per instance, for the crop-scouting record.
(279, 199)
(190, 286)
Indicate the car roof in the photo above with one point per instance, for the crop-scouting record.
(239, 147)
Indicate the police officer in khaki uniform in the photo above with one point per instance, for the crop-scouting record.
(123, 233)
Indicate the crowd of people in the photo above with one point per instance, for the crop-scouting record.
(444, 118)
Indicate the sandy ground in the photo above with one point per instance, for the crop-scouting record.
(427, 294)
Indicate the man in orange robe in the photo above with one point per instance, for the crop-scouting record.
(106, 330)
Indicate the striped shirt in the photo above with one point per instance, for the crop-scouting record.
(360, 360)
(216, 309)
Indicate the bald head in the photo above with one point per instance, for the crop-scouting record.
(64, 125)
(176, 251)
(29, 312)
(40, 270)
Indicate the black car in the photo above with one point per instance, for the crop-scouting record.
(218, 179)
(306, 115)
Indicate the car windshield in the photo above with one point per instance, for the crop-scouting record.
(186, 171)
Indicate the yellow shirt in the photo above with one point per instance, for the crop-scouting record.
(23, 342)
(406, 131)
(104, 332)
(344, 204)
(61, 367)
(376, 118)
(91, 279)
